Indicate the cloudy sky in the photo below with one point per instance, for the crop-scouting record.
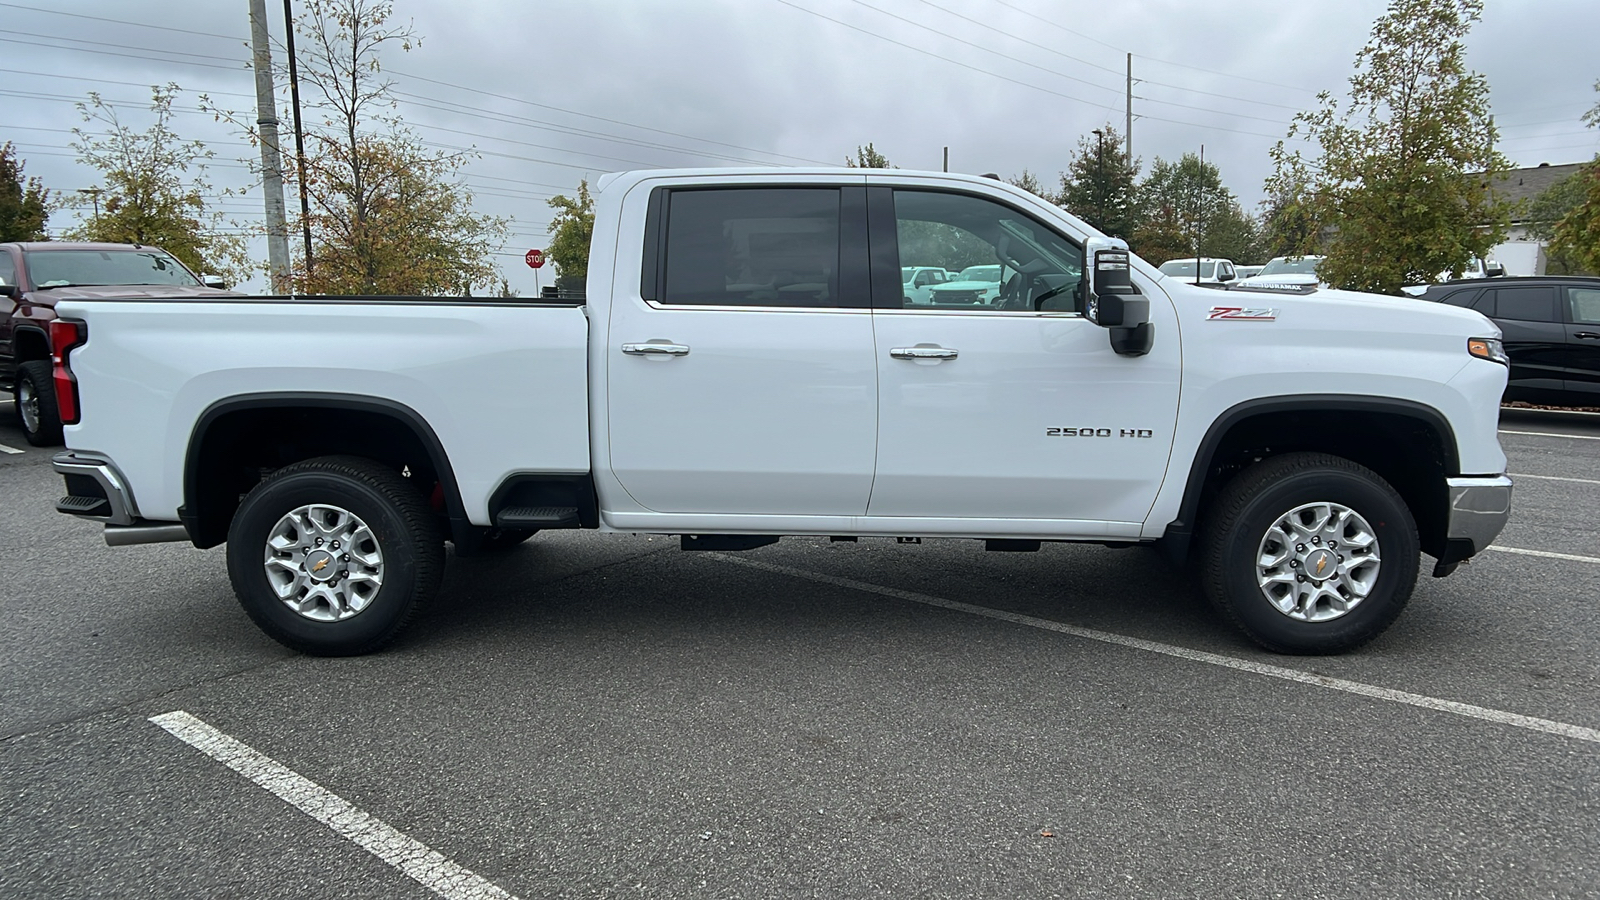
(551, 92)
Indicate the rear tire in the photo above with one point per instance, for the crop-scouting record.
(334, 556)
(35, 394)
(1283, 521)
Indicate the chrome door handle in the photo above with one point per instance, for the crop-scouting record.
(922, 353)
(655, 349)
(1589, 335)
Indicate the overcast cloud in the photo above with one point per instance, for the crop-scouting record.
(1007, 85)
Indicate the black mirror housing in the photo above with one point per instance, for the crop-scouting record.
(10, 290)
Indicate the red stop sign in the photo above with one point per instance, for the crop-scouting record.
(535, 258)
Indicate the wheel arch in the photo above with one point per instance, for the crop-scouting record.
(28, 343)
(233, 444)
(1387, 443)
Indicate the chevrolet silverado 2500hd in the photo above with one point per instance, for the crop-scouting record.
(746, 366)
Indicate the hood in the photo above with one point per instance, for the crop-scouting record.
(127, 292)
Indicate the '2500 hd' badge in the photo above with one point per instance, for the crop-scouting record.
(1242, 313)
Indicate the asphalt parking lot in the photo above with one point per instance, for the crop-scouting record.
(606, 716)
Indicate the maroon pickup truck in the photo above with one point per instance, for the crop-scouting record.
(35, 276)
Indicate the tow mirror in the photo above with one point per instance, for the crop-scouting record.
(9, 290)
(1495, 270)
(214, 281)
(1113, 302)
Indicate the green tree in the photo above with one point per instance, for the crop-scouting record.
(1288, 224)
(1100, 185)
(573, 228)
(154, 189)
(1185, 202)
(1399, 187)
(868, 158)
(24, 203)
(1546, 211)
(1575, 239)
(1030, 183)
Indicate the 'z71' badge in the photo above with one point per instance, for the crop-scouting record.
(1242, 313)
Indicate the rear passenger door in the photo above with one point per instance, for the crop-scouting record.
(741, 377)
(1583, 341)
(1534, 333)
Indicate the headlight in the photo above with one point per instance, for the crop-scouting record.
(1488, 348)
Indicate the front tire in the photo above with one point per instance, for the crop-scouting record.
(1310, 553)
(334, 556)
(35, 394)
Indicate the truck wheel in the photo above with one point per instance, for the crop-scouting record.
(36, 403)
(334, 556)
(497, 539)
(1310, 553)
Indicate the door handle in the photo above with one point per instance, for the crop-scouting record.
(922, 353)
(1588, 335)
(655, 349)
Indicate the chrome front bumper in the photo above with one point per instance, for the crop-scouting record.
(1479, 508)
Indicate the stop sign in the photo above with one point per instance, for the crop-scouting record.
(535, 258)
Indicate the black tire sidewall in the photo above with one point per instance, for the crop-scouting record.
(1397, 546)
(39, 374)
(389, 610)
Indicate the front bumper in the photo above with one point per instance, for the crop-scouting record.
(1479, 508)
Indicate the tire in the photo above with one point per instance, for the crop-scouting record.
(35, 393)
(291, 522)
(497, 540)
(1283, 607)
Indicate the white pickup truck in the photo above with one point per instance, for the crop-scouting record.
(746, 367)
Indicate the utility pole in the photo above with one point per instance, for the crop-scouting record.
(271, 162)
(94, 194)
(1127, 133)
(299, 133)
(946, 168)
(1199, 212)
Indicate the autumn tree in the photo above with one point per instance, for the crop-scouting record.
(154, 189)
(24, 202)
(1575, 239)
(1187, 208)
(573, 228)
(1400, 181)
(868, 158)
(1030, 183)
(388, 215)
(1100, 184)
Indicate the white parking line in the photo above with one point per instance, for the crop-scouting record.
(413, 858)
(1576, 437)
(5, 449)
(1555, 478)
(1546, 553)
(1548, 726)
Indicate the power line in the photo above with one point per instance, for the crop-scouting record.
(57, 12)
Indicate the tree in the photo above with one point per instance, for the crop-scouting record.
(388, 216)
(24, 204)
(1186, 201)
(1399, 190)
(154, 189)
(868, 158)
(1576, 237)
(1100, 184)
(1546, 212)
(1288, 224)
(1030, 183)
(573, 227)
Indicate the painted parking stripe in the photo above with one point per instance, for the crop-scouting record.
(413, 858)
(1530, 723)
(1576, 437)
(1555, 478)
(5, 449)
(1546, 554)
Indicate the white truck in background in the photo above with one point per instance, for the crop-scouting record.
(747, 366)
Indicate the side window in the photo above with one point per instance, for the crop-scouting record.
(8, 269)
(1485, 303)
(1003, 259)
(753, 247)
(1585, 303)
(1527, 304)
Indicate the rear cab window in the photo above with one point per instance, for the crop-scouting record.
(774, 247)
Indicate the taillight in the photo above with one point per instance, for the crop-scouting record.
(64, 335)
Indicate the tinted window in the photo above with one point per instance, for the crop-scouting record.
(1585, 305)
(1037, 269)
(1485, 303)
(1461, 298)
(769, 247)
(8, 269)
(1527, 304)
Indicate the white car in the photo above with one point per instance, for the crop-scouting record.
(974, 285)
(1286, 271)
(1475, 268)
(1247, 271)
(916, 281)
(1212, 271)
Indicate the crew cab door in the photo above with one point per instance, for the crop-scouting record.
(741, 377)
(1583, 340)
(1015, 408)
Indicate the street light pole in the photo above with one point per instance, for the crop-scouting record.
(1100, 177)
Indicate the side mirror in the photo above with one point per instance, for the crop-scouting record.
(1113, 302)
(214, 281)
(10, 290)
(1224, 276)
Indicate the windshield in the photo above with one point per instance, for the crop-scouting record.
(979, 273)
(58, 268)
(1182, 268)
(1298, 265)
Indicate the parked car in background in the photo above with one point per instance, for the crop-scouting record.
(916, 280)
(1475, 268)
(1551, 331)
(1293, 271)
(35, 276)
(1212, 271)
(1247, 271)
(974, 285)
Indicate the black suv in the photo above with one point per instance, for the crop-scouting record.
(1552, 332)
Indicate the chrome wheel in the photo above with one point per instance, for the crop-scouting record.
(1317, 562)
(28, 405)
(323, 562)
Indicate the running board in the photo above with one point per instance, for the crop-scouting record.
(537, 517)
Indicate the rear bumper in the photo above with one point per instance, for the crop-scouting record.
(1479, 508)
(97, 491)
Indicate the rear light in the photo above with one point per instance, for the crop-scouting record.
(66, 334)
